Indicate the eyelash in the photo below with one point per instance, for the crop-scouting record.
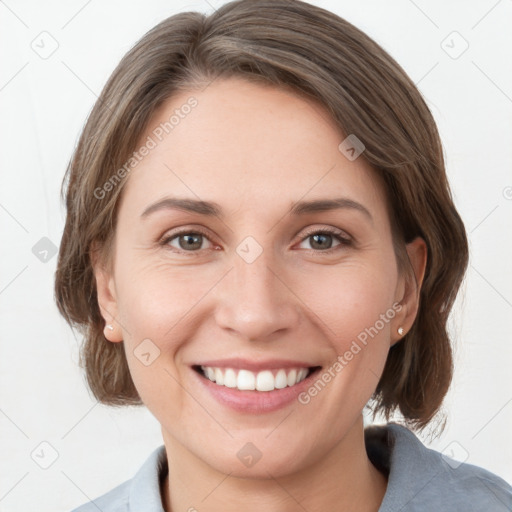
(344, 242)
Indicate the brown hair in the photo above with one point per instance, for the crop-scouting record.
(291, 44)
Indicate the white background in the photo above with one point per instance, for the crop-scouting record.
(44, 103)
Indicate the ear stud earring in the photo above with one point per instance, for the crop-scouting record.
(110, 327)
(400, 330)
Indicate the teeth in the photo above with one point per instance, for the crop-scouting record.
(281, 379)
(229, 378)
(292, 377)
(246, 380)
(210, 373)
(219, 377)
(265, 381)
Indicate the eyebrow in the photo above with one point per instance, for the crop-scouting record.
(212, 209)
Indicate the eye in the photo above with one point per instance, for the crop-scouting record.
(321, 239)
(186, 240)
(191, 241)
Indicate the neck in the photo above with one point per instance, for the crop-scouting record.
(343, 479)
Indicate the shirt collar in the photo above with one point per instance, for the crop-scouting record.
(145, 487)
(412, 466)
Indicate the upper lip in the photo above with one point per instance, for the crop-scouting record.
(252, 365)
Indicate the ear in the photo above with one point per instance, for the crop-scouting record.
(105, 289)
(410, 287)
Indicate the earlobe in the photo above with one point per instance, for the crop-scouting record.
(112, 333)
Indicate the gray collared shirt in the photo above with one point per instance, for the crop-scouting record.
(419, 480)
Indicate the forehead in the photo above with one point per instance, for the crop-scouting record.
(249, 147)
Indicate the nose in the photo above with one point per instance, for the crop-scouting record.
(254, 301)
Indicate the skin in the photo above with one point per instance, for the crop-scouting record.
(257, 150)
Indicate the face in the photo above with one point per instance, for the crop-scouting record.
(264, 292)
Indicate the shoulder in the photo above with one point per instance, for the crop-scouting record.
(469, 487)
(142, 492)
(422, 479)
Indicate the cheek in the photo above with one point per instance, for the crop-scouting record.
(157, 302)
(156, 296)
(155, 307)
(352, 298)
(355, 310)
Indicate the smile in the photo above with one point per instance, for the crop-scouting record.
(246, 380)
(251, 386)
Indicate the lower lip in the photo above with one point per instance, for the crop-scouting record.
(255, 402)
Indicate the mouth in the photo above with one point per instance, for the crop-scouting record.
(263, 380)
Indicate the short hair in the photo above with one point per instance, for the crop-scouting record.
(312, 52)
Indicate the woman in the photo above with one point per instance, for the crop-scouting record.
(260, 239)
